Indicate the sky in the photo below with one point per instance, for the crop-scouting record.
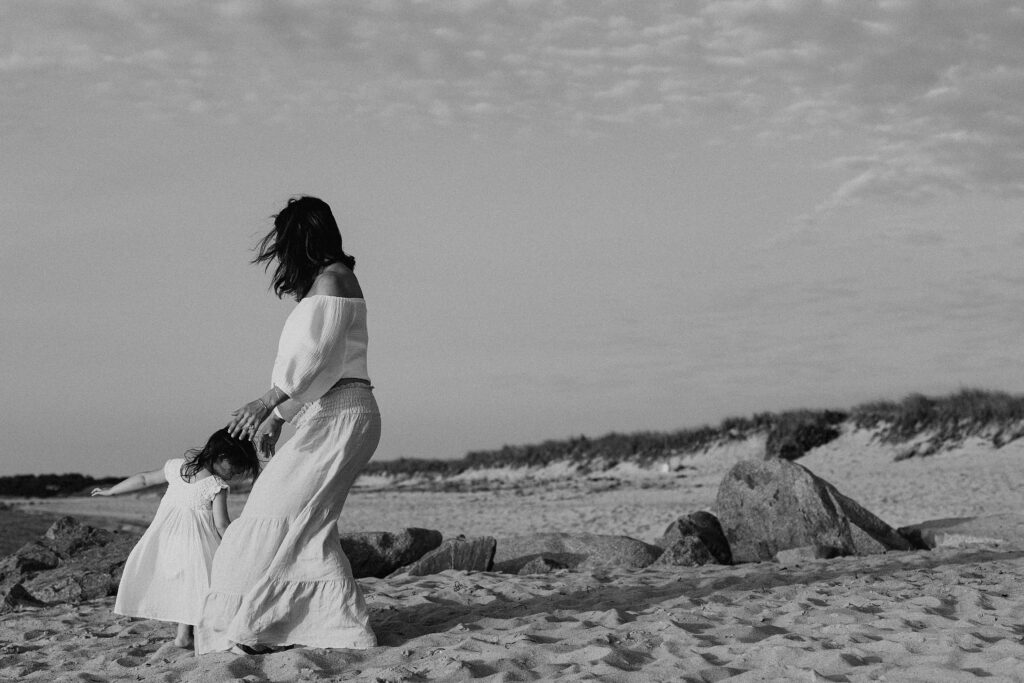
(569, 217)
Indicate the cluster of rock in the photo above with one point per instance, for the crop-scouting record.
(70, 563)
(770, 509)
(767, 510)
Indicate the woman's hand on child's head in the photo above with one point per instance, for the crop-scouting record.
(246, 420)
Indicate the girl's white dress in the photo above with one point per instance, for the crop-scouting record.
(167, 574)
(280, 576)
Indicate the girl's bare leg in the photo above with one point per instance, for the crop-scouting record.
(184, 637)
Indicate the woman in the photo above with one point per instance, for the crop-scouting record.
(280, 577)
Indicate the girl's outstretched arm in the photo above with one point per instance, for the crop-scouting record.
(136, 482)
(220, 511)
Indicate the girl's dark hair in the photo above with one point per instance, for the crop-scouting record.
(239, 452)
(304, 240)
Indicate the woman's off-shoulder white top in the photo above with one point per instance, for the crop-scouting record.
(323, 340)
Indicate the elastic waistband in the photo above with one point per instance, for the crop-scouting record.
(354, 397)
(346, 381)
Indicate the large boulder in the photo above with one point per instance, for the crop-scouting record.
(772, 505)
(466, 554)
(694, 540)
(379, 553)
(72, 562)
(580, 551)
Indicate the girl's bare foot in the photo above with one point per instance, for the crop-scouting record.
(184, 638)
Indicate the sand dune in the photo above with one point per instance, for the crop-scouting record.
(956, 613)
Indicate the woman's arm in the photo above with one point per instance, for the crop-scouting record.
(220, 511)
(136, 482)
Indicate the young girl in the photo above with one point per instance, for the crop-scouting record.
(167, 574)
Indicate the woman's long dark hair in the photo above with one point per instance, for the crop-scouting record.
(304, 240)
(239, 452)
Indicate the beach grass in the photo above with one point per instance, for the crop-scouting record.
(789, 434)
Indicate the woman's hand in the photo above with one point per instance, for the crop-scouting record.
(101, 492)
(267, 436)
(247, 419)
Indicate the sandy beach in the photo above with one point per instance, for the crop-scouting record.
(620, 341)
(950, 614)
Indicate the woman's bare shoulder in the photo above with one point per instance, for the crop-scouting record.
(337, 281)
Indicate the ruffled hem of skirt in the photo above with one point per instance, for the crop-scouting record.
(322, 613)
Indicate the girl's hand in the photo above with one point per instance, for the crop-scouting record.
(100, 492)
(266, 438)
(246, 420)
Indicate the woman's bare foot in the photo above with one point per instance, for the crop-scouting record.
(184, 638)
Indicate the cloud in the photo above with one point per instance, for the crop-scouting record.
(932, 89)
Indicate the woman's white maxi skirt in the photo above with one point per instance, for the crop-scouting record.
(279, 576)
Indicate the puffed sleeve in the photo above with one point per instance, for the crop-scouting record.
(172, 469)
(311, 352)
(213, 486)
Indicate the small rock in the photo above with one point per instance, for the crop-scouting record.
(540, 565)
(1000, 529)
(467, 554)
(574, 551)
(705, 528)
(688, 551)
(17, 597)
(78, 587)
(917, 537)
(67, 536)
(34, 556)
(379, 553)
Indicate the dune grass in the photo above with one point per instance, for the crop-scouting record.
(945, 420)
(791, 434)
